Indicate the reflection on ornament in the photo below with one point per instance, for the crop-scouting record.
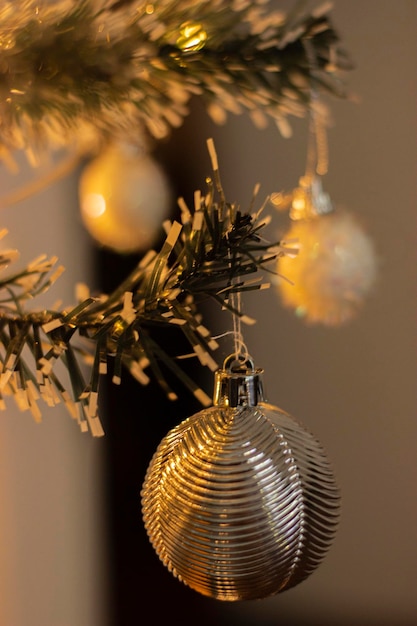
(192, 37)
(333, 272)
(124, 197)
(239, 500)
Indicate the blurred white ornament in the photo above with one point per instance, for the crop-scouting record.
(335, 267)
(333, 272)
(124, 198)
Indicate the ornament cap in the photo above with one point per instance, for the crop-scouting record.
(310, 200)
(238, 383)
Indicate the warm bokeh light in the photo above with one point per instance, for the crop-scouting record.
(93, 205)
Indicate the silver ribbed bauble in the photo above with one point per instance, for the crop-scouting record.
(239, 500)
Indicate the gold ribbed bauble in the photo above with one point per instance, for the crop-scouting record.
(239, 500)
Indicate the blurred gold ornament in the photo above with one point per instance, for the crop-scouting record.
(239, 500)
(124, 198)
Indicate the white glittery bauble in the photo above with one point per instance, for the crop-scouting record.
(333, 271)
(124, 198)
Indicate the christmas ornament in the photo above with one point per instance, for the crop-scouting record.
(335, 267)
(239, 500)
(124, 197)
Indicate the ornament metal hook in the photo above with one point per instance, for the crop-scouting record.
(238, 383)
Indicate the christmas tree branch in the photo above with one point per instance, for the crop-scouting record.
(73, 71)
(213, 253)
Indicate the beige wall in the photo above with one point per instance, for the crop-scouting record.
(51, 549)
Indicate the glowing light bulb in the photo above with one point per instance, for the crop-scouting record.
(192, 37)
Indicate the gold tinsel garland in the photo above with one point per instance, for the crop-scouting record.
(209, 255)
(70, 72)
